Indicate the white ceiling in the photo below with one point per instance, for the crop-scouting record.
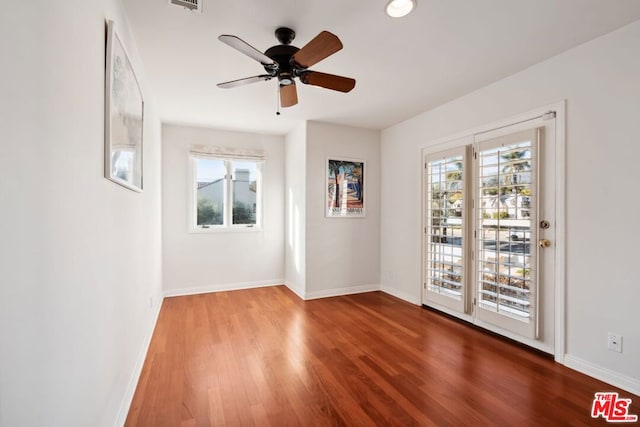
(443, 50)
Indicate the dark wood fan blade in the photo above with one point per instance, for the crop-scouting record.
(288, 95)
(240, 45)
(328, 81)
(245, 81)
(322, 46)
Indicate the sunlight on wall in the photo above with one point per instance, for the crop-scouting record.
(290, 215)
(297, 239)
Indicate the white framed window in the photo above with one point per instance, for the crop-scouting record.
(225, 189)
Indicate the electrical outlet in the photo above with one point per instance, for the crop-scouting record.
(614, 342)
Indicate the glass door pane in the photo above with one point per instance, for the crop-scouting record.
(445, 229)
(506, 227)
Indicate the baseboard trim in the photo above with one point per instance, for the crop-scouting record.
(221, 288)
(630, 384)
(400, 294)
(137, 371)
(266, 283)
(336, 292)
(299, 292)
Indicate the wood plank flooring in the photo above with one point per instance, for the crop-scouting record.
(264, 357)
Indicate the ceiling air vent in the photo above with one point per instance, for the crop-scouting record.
(188, 4)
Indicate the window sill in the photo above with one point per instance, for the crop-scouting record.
(254, 229)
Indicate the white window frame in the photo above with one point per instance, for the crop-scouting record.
(227, 225)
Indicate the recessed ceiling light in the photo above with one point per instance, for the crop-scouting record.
(400, 8)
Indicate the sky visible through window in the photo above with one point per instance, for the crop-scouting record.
(250, 166)
(209, 170)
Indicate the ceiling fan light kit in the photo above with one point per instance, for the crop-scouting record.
(286, 63)
(400, 8)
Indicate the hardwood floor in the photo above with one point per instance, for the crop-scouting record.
(264, 357)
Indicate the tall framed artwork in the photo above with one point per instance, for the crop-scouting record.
(345, 195)
(124, 117)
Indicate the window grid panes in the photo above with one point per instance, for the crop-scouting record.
(210, 188)
(504, 236)
(226, 193)
(445, 268)
(245, 184)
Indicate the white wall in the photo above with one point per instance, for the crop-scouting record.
(80, 256)
(205, 262)
(342, 254)
(295, 209)
(599, 80)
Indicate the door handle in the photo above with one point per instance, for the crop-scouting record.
(544, 243)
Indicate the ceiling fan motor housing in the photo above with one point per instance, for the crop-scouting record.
(281, 54)
(287, 69)
(285, 35)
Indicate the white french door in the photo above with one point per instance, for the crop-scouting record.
(506, 193)
(489, 230)
(446, 211)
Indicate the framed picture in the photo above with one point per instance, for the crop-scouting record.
(345, 194)
(124, 109)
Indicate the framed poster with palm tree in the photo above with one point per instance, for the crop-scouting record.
(345, 193)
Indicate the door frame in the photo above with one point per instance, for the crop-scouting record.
(455, 140)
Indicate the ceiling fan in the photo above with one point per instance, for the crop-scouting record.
(286, 63)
